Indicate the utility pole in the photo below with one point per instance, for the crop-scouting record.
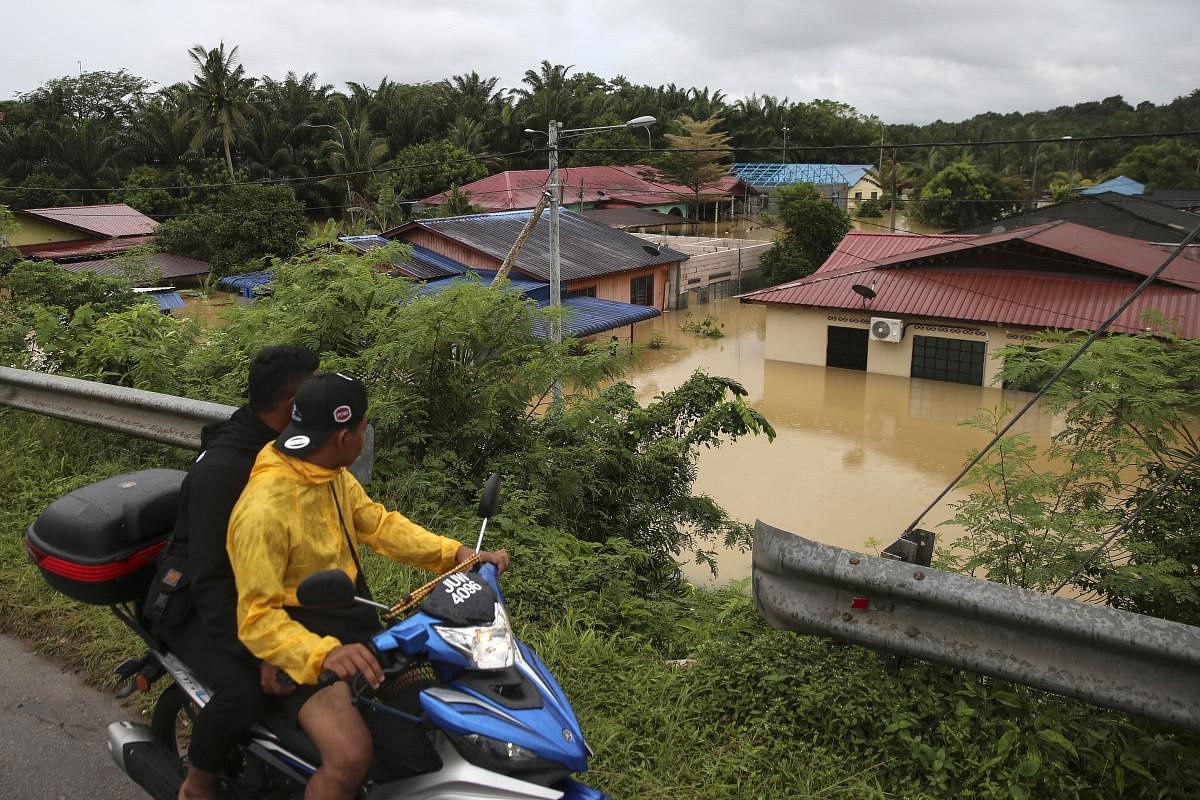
(894, 190)
(555, 200)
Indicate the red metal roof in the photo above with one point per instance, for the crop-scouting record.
(111, 220)
(82, 248)
(635, 184)
(1032, 292)
(865, 249)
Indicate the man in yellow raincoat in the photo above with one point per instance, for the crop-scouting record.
(301, 512)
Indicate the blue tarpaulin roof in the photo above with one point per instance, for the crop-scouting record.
(167, 299)
(246, 284)
(1119, 185)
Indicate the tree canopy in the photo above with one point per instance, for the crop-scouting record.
(80, 138)
(813, 226)
(236, 227)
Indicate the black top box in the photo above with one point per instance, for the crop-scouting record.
(99, 543)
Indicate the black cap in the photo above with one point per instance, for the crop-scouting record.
(324, 404)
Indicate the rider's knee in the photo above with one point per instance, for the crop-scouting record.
(349, 760)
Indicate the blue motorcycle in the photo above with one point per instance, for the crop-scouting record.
(466, 708)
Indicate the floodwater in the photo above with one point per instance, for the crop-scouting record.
(857, 456)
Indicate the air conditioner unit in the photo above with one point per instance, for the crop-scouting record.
(886, 330)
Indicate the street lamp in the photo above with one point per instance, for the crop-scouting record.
(785, 130)
(345, 161)
(553, 133)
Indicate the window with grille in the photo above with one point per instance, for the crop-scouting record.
(641, 290)
(953, 360)
(587, 291)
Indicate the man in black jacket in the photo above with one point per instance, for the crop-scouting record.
(196, 612)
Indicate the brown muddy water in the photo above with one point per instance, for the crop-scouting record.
(857, 456)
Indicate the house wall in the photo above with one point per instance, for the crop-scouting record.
(712, 260)
(616, 286)
(32, 230)
(451, 249)
(866, 185)
(799, 335)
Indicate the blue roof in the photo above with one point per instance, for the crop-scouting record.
(1119, 184)
(246, 284)
(587, 315)
(591, 315)
(167, 299)
(770, 174)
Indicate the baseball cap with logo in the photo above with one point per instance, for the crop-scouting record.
(324, 404)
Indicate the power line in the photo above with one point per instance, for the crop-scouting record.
(1087, 343)
(876, 145)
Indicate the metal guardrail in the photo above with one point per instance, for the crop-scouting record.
(159, 417)
(149, 415)
(1113, 658)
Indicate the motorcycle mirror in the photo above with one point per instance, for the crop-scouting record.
(329, 588)
(489, 503)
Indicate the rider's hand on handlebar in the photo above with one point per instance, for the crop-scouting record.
(274, 680)
(346, 660)
(497, 557)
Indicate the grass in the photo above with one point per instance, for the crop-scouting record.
(757, 714)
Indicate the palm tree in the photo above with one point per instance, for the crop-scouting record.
(159, 134)
(85, 152)
(219, 97)
(549, 96)
(354, 153)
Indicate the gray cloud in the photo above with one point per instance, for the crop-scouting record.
(901, 60)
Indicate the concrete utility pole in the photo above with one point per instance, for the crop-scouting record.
(553, 132)
(555, 201)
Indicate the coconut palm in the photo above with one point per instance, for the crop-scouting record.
(353, 153)
(218, 96)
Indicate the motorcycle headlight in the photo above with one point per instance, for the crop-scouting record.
(487, 646)
(503, 751)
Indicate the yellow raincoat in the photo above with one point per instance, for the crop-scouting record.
(285, 527)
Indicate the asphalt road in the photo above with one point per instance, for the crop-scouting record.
(52, 741)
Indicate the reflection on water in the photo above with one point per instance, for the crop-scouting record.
(857, 455)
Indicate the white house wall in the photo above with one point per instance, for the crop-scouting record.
(799, 335)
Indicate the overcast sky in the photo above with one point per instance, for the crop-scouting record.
(903, 60)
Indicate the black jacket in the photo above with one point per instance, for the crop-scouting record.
(206, 499)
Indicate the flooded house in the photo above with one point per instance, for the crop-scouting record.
(940, 307)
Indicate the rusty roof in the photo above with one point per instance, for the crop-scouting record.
(1026, 286)
(586, 248)
(82, 248)
(163, 264)
(111, 220)
(635, 184)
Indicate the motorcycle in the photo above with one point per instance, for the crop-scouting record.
(466, 709)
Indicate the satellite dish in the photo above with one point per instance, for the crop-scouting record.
(865, 292)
